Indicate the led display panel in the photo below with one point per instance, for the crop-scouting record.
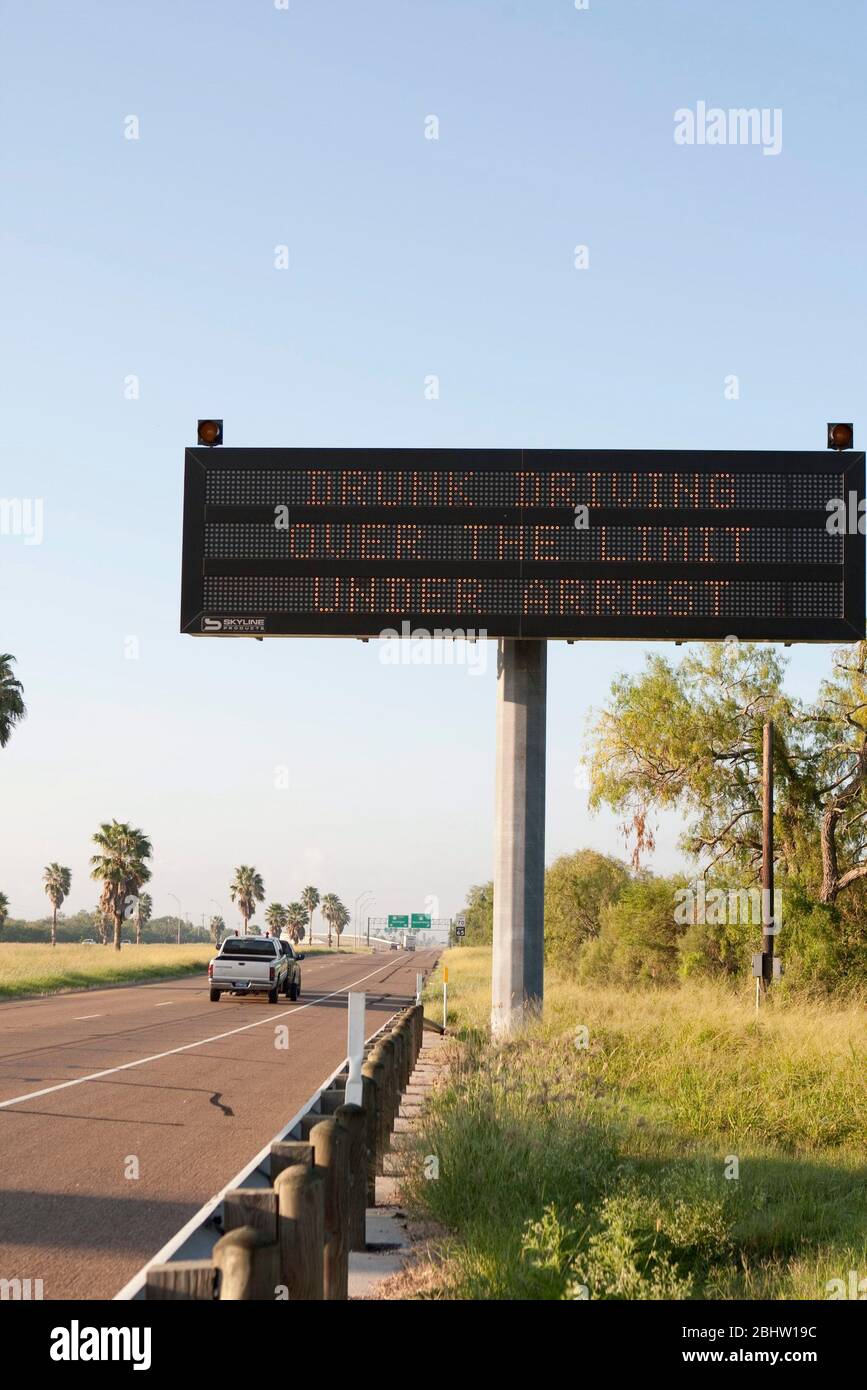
(536, 543)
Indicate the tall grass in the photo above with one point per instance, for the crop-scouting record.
(589, 1157)
(39, 968)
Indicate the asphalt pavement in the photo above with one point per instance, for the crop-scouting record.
(123, 1110)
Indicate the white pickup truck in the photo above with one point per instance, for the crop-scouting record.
(255, 965)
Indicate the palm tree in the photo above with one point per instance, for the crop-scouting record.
(296, 921)
(310, 900)
(12, 706)
(120, 865)
(101, 923)
(341, 918)
(4, 910)
(330, 906)
(275, 916)
(247, 889)
(57, 879)
(217, 927)
(144, 909)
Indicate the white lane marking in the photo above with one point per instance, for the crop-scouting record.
(165, 1004)
(187, 1047)
(79, 1017)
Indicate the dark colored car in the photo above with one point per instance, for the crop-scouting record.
(293, 978)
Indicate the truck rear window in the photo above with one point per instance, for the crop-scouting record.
(248, 946)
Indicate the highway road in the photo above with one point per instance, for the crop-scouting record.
(123, 1110)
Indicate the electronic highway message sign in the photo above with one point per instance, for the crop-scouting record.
(529, 543)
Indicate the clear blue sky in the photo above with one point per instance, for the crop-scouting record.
(261, 127)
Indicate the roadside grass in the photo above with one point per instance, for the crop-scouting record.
(566, 1167)
(345, 950)
(39, 968)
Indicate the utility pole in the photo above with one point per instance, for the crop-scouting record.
(368, 893)
(519, 845)
(768, 924)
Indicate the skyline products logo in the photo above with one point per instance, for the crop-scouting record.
(77, 1343)
(234, 627)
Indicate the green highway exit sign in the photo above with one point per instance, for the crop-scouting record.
(420, 921)
(397, 923)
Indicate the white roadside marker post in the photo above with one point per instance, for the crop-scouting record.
(355, 1047)
(419, 986)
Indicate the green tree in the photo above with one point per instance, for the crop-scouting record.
(310, 899)
(79, 925)
(144, 910)
(835, 780)
(578, 889)
(689, 738)
(296, 920)
(12, 707)
(722, 931)
(275, 916)
(4, 910)
(216, 926)
(247, 889)
(57, 879)
(479, 912)
(639, 937)
(341, 920)
(120, 864)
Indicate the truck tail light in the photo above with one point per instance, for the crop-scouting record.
(271, 974)
(211, 971)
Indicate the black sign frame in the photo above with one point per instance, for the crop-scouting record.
(848, 626)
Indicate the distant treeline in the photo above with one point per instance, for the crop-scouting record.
(83, 926)
(607, 921)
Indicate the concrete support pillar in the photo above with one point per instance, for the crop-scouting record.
(519, 849)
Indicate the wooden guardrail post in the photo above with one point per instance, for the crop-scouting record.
(289, 1153)
(251, 1206)
(301, 1231)
(397, 1045)
(404, 1029)
(375, 1066)
(389, 1088)
(188, 1279)
(354, 1121)
(399, 1065)
(248, 1265)
(332, 1099)
(370, 1095)
(331, 1155)
(418, 1015)
(399, 1050)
